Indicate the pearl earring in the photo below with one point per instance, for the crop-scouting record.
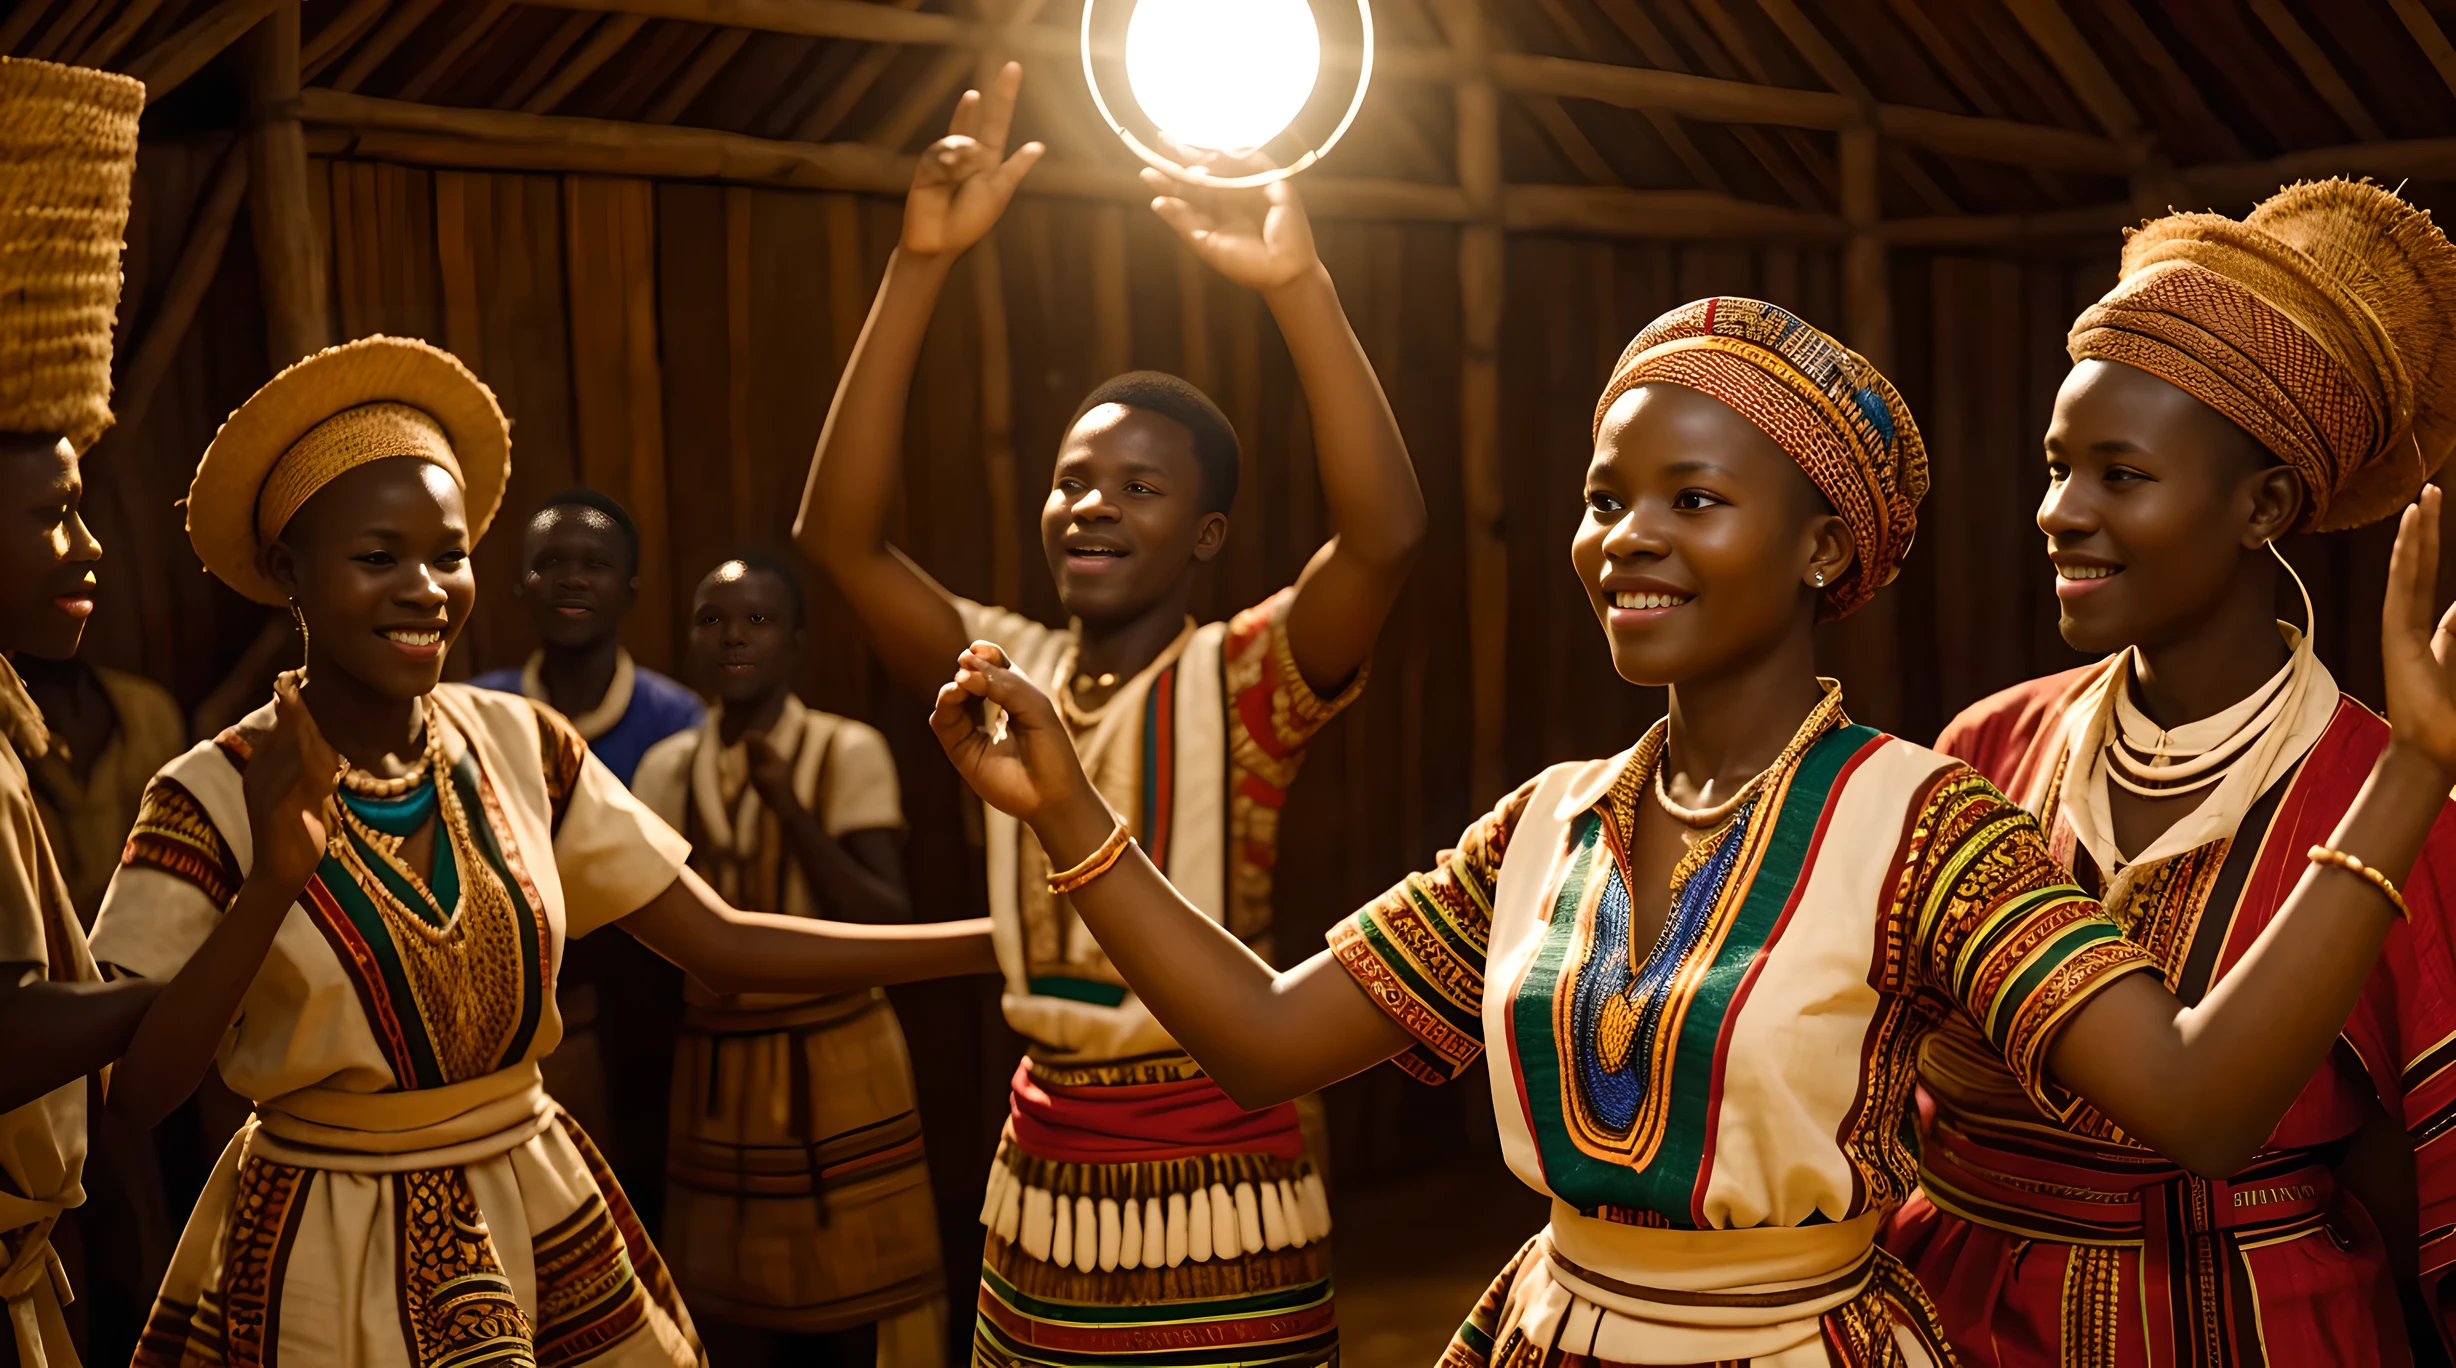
(1820, 579)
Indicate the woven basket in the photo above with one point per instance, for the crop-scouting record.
(67, 154)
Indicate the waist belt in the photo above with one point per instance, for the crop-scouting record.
(400, 1132)
(2185, 1226)
(1693, 1295)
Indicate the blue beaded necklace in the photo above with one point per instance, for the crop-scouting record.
(400, 816)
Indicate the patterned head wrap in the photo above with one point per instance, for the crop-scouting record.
(1825, 404)
(67, 155)
(2324, 325)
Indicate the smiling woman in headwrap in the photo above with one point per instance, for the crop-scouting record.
(2295, 370)
(375, 967)
(1703, 967)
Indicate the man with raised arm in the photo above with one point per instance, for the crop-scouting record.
(1126, 1176)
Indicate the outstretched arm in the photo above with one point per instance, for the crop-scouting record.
(1262, 240)
(859, 878)
(962, 185)
(732, 951)
(290, 780)
(2205, 1085)
(1265, 1036)
(60, 1032)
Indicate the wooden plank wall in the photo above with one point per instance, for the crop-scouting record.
(677, 345)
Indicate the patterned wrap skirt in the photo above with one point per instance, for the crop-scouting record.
(1136, 1215)
(1588, 1293)
(798, 1197)
(465, 1225)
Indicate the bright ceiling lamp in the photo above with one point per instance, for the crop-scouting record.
(1225, 76)
(1222, 75)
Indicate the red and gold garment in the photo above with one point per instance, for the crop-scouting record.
(1126, 1177)
(2069, 1245)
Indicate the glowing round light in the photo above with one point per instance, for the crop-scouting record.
(1223, 75)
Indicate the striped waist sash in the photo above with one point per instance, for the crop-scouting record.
(2187, 1228)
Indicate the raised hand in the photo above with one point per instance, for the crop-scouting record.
(2417, 647)
(1259, 238)
(1024, 768)
(966, 178)
(770, 772)
(292, 773)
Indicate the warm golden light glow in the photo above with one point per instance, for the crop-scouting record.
(1223, 75)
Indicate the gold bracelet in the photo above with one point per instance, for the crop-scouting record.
(2322, 855)
(1097, 863)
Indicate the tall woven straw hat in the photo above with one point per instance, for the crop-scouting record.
(2323, 323)
(344, 407)
(67, 154)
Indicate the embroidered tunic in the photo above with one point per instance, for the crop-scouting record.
(406, 1194)
(2066, 1242)
(1126, 1177)
(798, 1196)
(1720, 1123)
(42, 1144)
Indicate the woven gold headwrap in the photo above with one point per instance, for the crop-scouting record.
(340, 444)
(344, 407)
(2324, 325)
(67, 154)
(1823, 403)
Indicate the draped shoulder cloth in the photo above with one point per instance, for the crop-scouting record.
(2323, 324)
(1825, 404)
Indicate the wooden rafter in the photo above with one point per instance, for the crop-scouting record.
(485, 139)
(2078, 63)
(1639, 30)
(165, 66)
(712, 57)
(386, 40)
(547, 56)
(464, 37)
(335, 38)
(2317, 69)
(610, 38)
(1697, 97)
(115, 39)
(1799, 183)
(823, 118)
(1836, 71)
(2433, 40)
(21, 21)
(2180, 89)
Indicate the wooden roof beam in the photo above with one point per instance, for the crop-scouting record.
(1696, 97)
(169, 63)
(2078, 63)
(506, 140)
(2317, 69)
(2426, 31)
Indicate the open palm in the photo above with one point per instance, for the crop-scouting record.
(2417, 647)
(965, 179)
(292, 774)
(1259, 238)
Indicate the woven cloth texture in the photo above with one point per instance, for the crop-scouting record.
(1826, 405)
(340, 444)
(67, 155)
(2323, 324)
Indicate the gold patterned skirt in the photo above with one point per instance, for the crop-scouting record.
(798, 1197)
(497, 1237)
